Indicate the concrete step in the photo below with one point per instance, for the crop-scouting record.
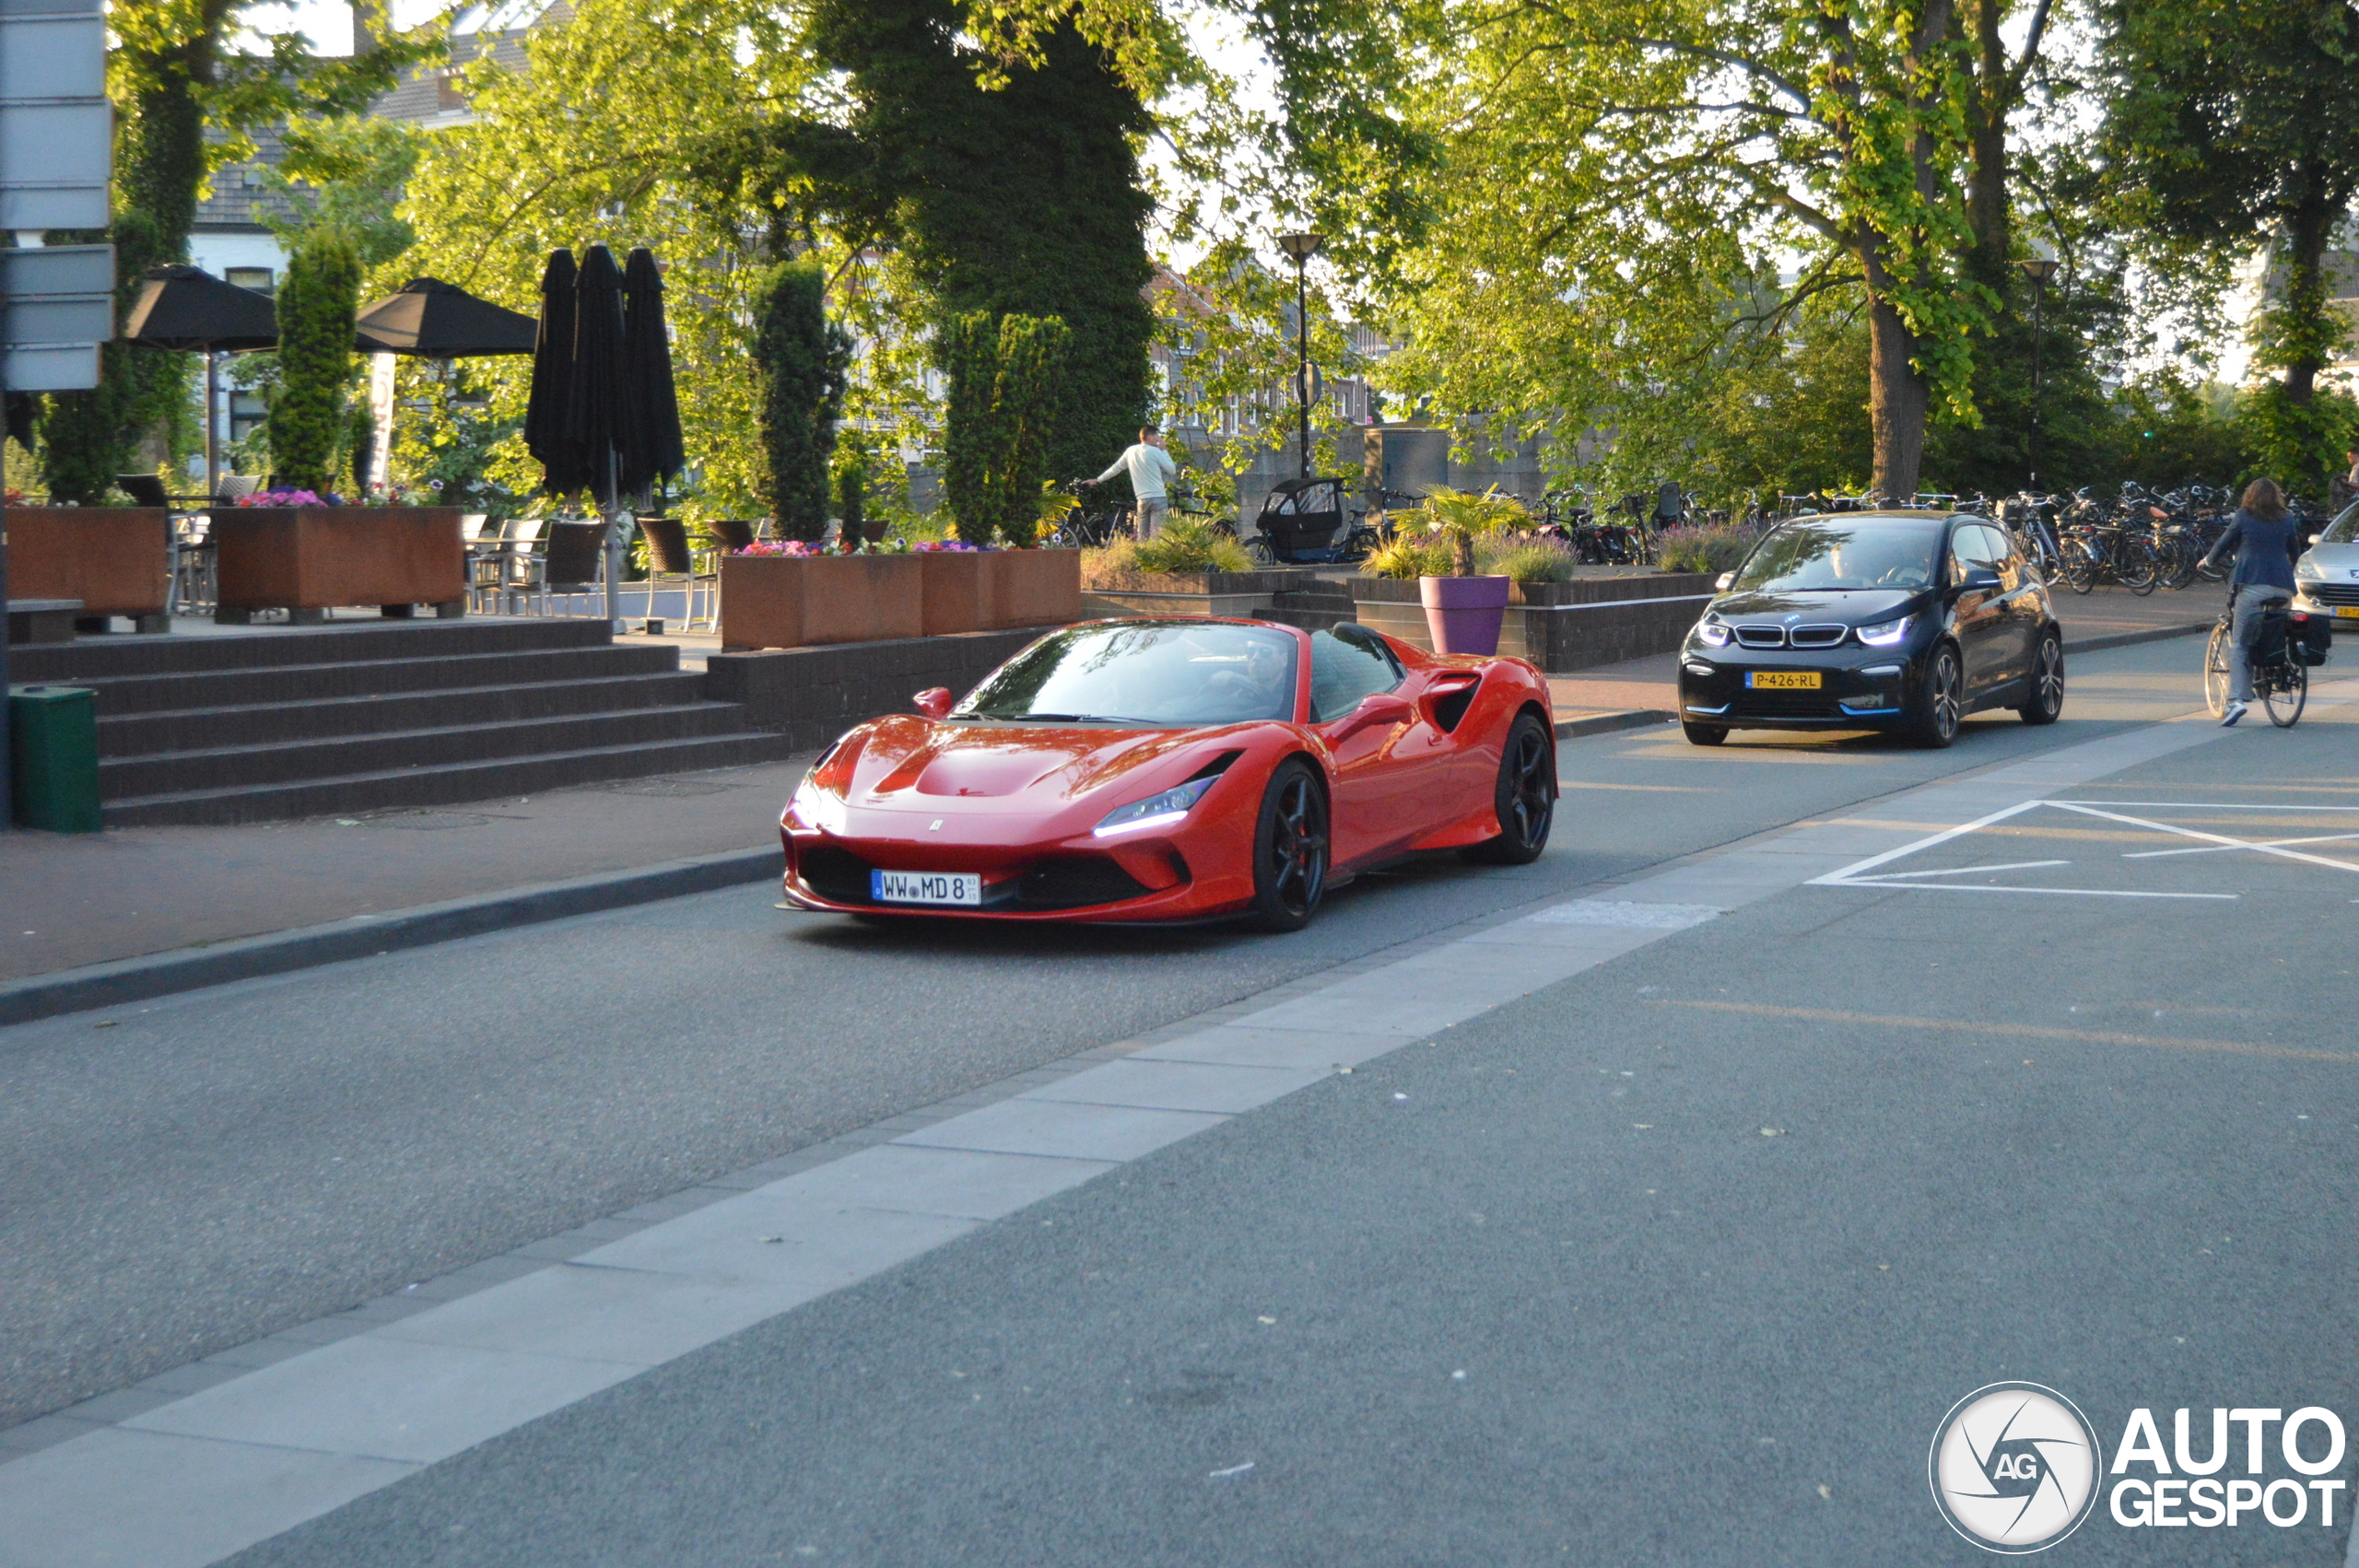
(263, 648)
(337, 755)
(120, 695)
(203, 729)
(443, 784)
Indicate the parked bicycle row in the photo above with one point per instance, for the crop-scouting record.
(2139, 539)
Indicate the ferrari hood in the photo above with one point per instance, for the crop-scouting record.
(917, 765)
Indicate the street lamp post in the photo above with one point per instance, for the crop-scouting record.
(2039, 269)
(1300, 248)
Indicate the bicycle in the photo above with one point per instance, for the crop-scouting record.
(2281, 666)
(1089, 527)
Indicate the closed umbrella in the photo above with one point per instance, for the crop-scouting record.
(187, 309)
(433, 319)
(545, 413)
(652, 447)
(593, 404)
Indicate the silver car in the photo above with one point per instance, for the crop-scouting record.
(2326, 580)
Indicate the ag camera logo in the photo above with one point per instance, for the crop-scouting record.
(2015, 1467)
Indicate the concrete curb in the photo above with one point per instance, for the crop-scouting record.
(2131, 639)
(122, 980)
(1606, 723)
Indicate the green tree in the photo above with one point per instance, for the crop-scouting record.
(802, 356)
(999, 422)
(1008, 181)
(174, 76)
(316, 306)
(2228, 126)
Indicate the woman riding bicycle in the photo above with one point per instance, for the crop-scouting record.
(2265, 542)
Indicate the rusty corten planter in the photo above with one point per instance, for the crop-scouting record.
(799, 601)
(116, 560)
(310, 559)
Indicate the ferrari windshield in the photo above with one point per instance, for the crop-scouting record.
(1146, 672)
(1837, 554)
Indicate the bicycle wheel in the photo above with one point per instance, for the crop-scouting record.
(1258, 548)
(2080, 569)
(2215, 668)
(2180, 568)
(2134, 564)
(2288, 690)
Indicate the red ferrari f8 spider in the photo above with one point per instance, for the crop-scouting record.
(1176, 770)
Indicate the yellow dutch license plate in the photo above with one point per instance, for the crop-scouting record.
(2346, 612)
(1782, 680)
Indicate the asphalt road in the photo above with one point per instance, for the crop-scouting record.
(1674, 1337)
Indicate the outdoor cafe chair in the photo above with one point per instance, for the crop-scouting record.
(670, 561)
(236, 487)
(192, 560)
(521, 563)
(571, 563)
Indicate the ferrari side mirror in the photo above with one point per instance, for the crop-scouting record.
(1380, 708)
(1723, 582)
(934, 702)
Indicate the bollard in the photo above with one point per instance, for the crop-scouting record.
(54, 757)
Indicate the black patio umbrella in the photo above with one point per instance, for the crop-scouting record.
(545, 412)
(432, 320)
(187, 309)
(594, 411)
(651, 439)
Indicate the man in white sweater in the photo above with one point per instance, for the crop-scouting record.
(1150, 469)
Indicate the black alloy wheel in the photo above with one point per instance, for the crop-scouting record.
(1703, 734)
(1290, 843)
(1525, 798)
(1941, 702)
(2044, 696)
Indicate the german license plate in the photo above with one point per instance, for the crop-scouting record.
(1782, 680)
(925, 887)
(2346, 612)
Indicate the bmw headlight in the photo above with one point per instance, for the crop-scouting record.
(1156, 810)
(1884, 634)
(1712, 634)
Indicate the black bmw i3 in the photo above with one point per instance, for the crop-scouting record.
(1905, 621)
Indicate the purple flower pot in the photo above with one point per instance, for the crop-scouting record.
(1464, 614)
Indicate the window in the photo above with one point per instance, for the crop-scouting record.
(1970, 551)
(1146, 672)
(2004, 559)
(1347, 664)
(259, 279)
(246, 412)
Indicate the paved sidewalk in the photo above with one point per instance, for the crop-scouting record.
(130, 892)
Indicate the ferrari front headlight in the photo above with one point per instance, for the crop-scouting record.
(1156, 810)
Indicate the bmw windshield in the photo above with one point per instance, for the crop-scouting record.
(1151, 674)
(1840, 555)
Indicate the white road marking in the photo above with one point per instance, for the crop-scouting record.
(1970, 871)
(2224, 849)
(1968, 887)
(2220, 839)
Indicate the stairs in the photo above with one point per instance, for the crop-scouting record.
(302, 721)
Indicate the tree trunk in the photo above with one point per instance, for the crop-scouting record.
(2308, 330)
(1897, 398)
(1986, 118)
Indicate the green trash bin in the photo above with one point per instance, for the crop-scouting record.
(54, 757)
